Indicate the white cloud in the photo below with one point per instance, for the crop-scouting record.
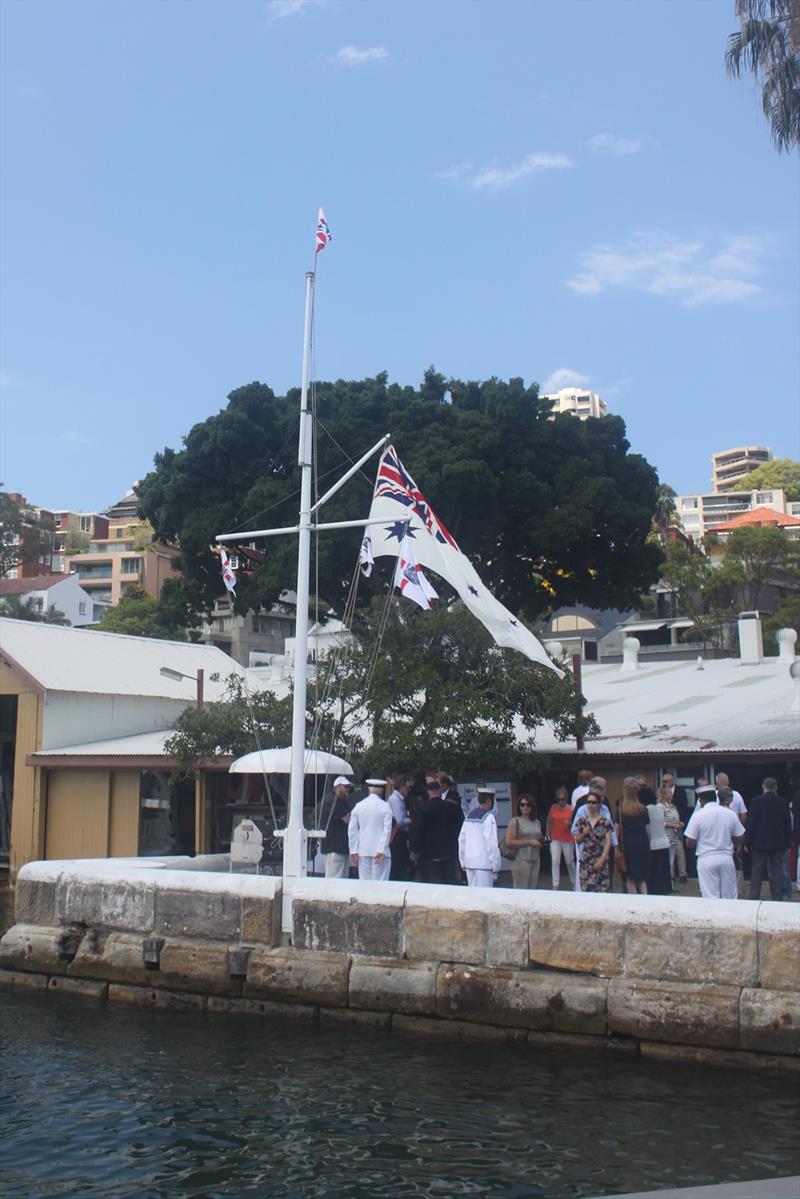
(663, 265)
(277, 10)
(351, 56)
(564, 377)
(502, 177)
(620, 147)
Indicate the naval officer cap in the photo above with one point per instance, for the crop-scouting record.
(707, 789)
(483, 790)
(343, 782)
(376, 782)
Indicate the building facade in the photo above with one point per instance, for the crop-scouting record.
(700, 513)
(729, 467)
(577, 401)
(122, 557)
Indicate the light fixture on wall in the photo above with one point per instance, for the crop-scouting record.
(198, 679)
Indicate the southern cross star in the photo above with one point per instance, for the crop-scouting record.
(400, 529)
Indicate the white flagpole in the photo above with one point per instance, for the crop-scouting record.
(296, 836)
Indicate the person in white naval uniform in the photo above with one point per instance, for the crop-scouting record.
(714, 829)
(478, 851)
(369, 833)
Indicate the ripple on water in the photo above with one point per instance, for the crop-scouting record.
(119, 1103)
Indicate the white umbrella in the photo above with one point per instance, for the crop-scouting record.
(278, 761)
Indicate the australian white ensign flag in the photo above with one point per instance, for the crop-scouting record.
(401, 513)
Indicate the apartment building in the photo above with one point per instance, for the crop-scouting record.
(729, 467)
(74, 532)
(578, 402)
(123, 556)
(700, 513)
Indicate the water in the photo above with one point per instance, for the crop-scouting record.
(100, 1100)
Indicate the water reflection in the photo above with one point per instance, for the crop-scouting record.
(110, 1101)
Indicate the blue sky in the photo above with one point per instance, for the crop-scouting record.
(570, 192)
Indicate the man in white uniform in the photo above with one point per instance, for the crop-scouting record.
(478, 851)
(714, 829)
(582, 789)
(369, 833)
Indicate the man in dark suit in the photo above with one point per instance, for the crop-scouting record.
(769, 836)
(681, 801)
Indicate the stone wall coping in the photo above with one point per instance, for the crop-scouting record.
(343, 890)
(130, 872)
(778, 917)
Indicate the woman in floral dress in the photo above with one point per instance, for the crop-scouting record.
(593, 834)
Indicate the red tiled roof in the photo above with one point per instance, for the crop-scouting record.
(36, 583)
(756, 516)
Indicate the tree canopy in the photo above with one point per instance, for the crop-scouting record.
(551, 511)
(17, 608)
(25, 534)
(781, 473)
(767, 44)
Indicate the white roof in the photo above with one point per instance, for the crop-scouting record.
(65, 659)
(672, 707)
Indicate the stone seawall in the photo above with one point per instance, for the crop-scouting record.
(700, 979)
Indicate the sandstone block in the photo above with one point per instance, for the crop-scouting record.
(214, 915)
(114, 904)
(507, 938)
(194, 965)
(300, 976)
(33, 982)
(35, 901)
(349, 1016)
(770, 1021)
(681, 1013)
(779, 946)
(155, 997)
(586, 946)
(33, 947)
(347, 926)
(426, 1026)
(114, 957)
(78, 986)
(395, 986)
(739, 1059)
(686, 953)
(261, 920)
(439, 934)
(522, 999)
(260, 1007)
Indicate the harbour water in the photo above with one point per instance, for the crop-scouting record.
(105, 1100)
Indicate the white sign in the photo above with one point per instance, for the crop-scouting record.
(247, 844)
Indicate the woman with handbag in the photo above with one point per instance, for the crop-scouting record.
(524, 836)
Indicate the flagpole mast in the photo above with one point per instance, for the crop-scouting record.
(295, 857)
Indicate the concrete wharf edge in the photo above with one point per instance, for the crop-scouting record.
(695, 980)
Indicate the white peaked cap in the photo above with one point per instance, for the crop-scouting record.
(376, 782)
(342, 781)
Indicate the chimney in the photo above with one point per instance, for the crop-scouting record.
(751, 642)
(786, 639)
(630, 655)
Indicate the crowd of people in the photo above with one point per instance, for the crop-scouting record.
(420, 828)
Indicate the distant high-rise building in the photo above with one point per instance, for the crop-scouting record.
(729, 467)
(577, 401)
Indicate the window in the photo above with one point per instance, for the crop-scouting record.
(82, 608)
(131, 566)
(86, 524)
(764, 497)
(119, 532)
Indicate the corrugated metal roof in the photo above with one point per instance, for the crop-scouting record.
(140, 745)
(674, 707)
(80, 660)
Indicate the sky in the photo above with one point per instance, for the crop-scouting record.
(570, 192)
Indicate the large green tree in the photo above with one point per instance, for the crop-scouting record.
(550, 511)
(767, 44)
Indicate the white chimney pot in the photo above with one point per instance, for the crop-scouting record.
(630, 655)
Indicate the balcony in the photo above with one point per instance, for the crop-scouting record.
(88, 573)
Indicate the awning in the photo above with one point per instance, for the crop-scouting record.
(643, 626)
